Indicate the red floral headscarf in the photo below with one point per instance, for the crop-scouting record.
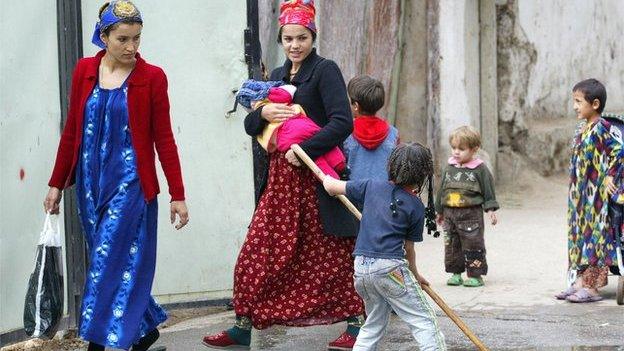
(300, 12)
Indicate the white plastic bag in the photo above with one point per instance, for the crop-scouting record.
(43, 306)
(51, 232)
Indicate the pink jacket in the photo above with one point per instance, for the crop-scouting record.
(300, 128)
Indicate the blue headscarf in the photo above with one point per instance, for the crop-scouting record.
(255, 90)
(115, 12)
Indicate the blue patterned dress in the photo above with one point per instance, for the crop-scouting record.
(119, 226)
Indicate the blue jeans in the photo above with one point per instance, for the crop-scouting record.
(388, 284)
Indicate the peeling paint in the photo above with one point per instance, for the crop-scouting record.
(544, 48)
(516, 56)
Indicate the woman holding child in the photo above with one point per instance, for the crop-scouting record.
(295, 267)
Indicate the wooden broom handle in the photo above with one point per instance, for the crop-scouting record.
(454, 317)
(320, 175)
(434, 296)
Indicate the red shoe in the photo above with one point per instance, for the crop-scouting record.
(222, 341)
(344, 342)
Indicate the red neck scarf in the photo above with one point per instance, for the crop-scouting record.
(370, 131)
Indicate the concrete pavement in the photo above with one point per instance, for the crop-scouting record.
(514, 310)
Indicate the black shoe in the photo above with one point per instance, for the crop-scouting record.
(148, 340)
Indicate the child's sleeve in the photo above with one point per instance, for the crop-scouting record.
(254, 123)
(346, 147)
(615, 151)
(438, 198)
(417, 225)
(486, 181)
(356, 190)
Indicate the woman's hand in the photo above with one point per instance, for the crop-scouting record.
(52, 201)
(277, 112)
(291, 157)
(179, 208)
(493, 218)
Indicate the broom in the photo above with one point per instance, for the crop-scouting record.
(349, 205)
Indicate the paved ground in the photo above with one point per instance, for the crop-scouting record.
(515, 310)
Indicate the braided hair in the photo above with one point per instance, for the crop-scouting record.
(412, 165)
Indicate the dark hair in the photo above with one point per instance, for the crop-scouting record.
(368, 92)
(129, 20)
(592, 89)
(279, 35)
(412, 165)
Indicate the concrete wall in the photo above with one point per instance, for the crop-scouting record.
(29, 132)
(458, 68)
(544, 48)
(575, 40)
(200, 47)
(411, 90)
(386, 39)
(272, 53)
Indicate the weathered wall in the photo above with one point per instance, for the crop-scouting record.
(202, 56)
(411, 91)
(370, 46)
(268, 13)
(29, 125)
(346, 47)
(597, 51)
(388, 39)
(459, 68)
(544, 48)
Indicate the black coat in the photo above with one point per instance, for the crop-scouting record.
(322, 93)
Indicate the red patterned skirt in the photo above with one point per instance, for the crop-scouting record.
(288, 271)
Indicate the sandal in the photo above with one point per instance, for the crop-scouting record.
(473, 282)
(565, 293)
(582, 296)
(455, 280)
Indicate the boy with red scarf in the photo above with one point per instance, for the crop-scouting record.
(373, 138)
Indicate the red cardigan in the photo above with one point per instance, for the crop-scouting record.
(149, 121)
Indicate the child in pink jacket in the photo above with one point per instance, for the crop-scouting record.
(281, 135)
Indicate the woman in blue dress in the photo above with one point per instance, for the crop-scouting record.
(119, 112)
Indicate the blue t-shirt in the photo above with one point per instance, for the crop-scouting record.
(382, 235)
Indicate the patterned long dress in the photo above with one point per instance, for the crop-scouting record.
(288, 271)
(596, 154)
(119, 227)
